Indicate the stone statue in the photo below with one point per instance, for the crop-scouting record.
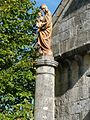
(44, 24)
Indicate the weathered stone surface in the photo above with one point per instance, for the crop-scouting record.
(45, 81)
(73, 92)
(73, 26)
(71, 38)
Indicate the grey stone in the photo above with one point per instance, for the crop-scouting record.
(72, 29)
(71, 37)
(44, 95)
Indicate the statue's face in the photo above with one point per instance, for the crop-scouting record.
(43, 9)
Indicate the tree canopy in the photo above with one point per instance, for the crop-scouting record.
(17, 58)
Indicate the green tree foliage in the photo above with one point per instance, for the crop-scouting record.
(17, 58)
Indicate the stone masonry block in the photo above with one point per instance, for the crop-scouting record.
(64, 35)
(81, 39)
(88, 36)
(83, 92)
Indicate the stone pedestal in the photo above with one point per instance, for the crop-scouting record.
(45, 82)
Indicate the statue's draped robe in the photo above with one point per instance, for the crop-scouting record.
(45, 32)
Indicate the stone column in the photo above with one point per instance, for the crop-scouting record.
(45, 82)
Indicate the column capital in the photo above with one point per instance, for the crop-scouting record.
(46, 61)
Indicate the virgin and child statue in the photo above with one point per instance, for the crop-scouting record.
(44, 24)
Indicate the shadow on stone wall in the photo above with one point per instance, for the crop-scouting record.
(75, 5)
(72, 89)
(87, 116)
(70, 74)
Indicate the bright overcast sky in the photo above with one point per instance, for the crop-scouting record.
(52, 4)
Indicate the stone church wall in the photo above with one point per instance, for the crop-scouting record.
(71, 46)
(72, 27)
(73, 89)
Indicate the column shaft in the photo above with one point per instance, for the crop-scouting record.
(45, 82)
